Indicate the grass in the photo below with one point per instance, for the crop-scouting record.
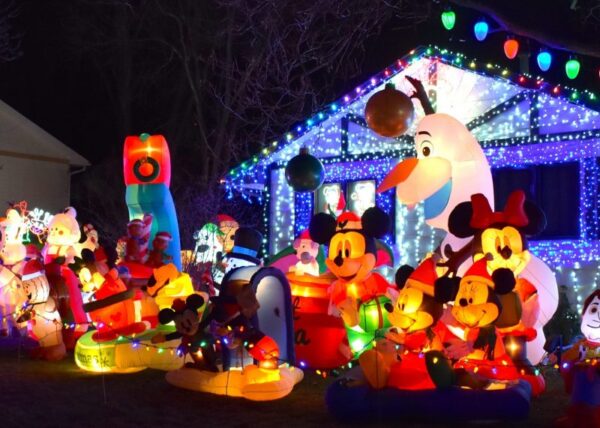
(44, 394)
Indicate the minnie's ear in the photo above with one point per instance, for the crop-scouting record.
(375, 222)
(194, 301)
(445, 288)
(460, 219)
(504, 280)
(402, 275)
(322, 228)
(537, 219)
(166, 315)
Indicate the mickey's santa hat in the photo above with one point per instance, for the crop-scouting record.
(423, 277)
(479, 272)
(246, 244)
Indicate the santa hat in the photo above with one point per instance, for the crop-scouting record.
(32, 269)
(478, 272)
(136, 222)
(178, 305)
(423, 277)
(165, 236)
(226, 219)
(348, 220)
(305, 235)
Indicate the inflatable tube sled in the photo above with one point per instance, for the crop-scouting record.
(251, 382)
(125, 356)
(354, 403)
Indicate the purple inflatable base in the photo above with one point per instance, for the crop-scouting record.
(362, 403)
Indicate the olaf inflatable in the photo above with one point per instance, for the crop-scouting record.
(450, 167)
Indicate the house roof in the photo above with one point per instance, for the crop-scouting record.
(493, 101)
(20, 137)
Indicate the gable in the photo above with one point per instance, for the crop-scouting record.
(20, 137)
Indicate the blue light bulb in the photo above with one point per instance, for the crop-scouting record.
(544, 60)
(481, 30)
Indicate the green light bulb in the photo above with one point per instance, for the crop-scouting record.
(448, 19)
(572, 68)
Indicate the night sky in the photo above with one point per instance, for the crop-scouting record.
(60, 90)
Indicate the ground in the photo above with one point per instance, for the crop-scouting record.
(43, 394)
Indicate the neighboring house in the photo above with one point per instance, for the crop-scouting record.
(540, 137)
(34, 165)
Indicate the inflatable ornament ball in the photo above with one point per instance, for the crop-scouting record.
(389, 112)
(304, 172)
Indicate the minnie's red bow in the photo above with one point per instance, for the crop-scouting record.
(513, 214)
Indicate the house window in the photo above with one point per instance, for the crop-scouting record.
(358, 196)
(542, 184)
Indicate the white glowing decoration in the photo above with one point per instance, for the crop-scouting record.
(207, 245)
(362, 196)
(37, 221)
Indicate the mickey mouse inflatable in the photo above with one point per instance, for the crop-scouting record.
(351, 259)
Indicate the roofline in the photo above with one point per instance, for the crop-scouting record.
(72, 157)
(524, 80)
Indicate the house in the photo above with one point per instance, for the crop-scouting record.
(537, 136)
(34, 165)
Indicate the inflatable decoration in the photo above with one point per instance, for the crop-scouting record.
(246, 245)
(415, 378)
(236, 327)
(581, 370)
(147, 173)
(158, 254)
(389, 112)
(133, 247)
(501, 238)
(40, 313)
(450, 167)
(25, 292)
(12, 253)
(62, 244)
(304, 256)
(127, 354)
(304, 172)
(321, 340)
(477, 308)
(410, 356)
(357, 294)
(112, 308)
(306, 252)
(168, 284)
(228, 226)
(208, 248)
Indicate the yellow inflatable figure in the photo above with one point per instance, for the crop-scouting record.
(167, 284)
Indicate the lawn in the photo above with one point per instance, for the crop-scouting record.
(43, 394)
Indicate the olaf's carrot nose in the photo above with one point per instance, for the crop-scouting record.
(398, 174)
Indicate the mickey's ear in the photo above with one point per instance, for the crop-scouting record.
(375, 222)
(460, 219)
(322, 228)
(166, 315)
(88, 256)
(445, 288)
(504, 280)
(537, 219)
(402, 275)
(194, 301)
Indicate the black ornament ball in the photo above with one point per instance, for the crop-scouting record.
(304, 172)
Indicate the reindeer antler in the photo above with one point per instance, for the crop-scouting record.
(421, 95)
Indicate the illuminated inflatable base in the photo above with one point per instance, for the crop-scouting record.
(363, 403)
(251, 382)
(125, 356)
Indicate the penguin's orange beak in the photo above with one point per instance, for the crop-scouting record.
(399, 174)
